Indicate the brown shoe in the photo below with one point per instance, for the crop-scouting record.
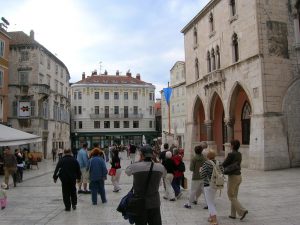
(244, 214)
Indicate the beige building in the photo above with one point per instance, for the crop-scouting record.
(177, 107)
(38, 93)
(112, 109)
(242, 80)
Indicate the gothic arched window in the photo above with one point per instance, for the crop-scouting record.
(195, 37)
(211, 22)
(235, 45)
(208, 62)
(213, 60)
(196, 69)
(246, 119)
(232, 7)
(218, 57)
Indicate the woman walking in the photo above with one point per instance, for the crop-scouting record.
(234, 180)
(116, 164)
(210, 192)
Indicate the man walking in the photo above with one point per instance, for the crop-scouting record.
(68, 170)
(140, 171)
(83, 160)
(10, 166)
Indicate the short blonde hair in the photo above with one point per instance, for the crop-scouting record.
(211, 154)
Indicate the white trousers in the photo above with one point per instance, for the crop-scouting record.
(210, 194)
(169, 189)
(116, 179)
(197, 187)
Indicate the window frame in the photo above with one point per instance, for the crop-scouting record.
(2, 48)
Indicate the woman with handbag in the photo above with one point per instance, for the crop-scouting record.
(116, 166)
(232, 167)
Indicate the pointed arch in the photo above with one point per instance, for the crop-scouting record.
(217, 115)
(240, 110)
(199, 118)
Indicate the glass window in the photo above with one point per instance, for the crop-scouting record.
(116, 124)
(96, 95)
(150, 110)
(48, 64)
(125, 111)
(195, 37)
(106, 95)
(75, 110)
(106, 124)
(2, 48)
(208, 62)
(56, 69)
(246, 118)
(135, 110)
(116, 111)
(96, 109)
(80, 124)
(196, 69)
(232, 7)
(235, 46)
(75, 95)
(79, 110)
(125, 124)
(1, 77)
(79, 95)
(135, 124)
(125, 95)
(211, 22)
(135, 96)
(96, 124)
(150, 124)
(106, 111)
(116, 95)
(23, 77)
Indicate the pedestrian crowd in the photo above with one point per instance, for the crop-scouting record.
(88, 171)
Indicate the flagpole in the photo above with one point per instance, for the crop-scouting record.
(169, 114)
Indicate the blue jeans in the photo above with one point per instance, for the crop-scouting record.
(97, 187)
(176, 185)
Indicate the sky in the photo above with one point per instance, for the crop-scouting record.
(142, 36)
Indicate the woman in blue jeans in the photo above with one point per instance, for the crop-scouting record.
(98, 175)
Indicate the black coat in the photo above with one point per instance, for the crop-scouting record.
(67, 169)
(231, 158)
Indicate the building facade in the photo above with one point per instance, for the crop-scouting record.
(242, 79)
(4, 53)
(112, 109)
(38, 93)
(177, 114)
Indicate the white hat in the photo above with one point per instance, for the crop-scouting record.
(168, 155)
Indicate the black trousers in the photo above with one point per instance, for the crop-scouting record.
(69, 193)
(150, 217)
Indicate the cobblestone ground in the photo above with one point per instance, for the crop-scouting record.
(272, 198)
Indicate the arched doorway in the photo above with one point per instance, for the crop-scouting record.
(291, 108)
(240, 115)
(219, 131)
(199, 117)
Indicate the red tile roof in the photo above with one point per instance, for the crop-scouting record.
(111, 79)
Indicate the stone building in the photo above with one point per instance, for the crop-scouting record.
(112, 109)
(242, 80)
(38, 93)
(177, 106)
(4, 53)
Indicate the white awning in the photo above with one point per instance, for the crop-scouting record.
(10, 136)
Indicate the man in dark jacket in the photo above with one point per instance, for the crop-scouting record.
(10, 166)
(68, 170)
(140, 171)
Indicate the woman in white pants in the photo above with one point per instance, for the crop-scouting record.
(170, 167)
(197, 183)
(116, 163)
(210, 192)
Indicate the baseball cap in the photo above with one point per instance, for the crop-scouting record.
(147, 151)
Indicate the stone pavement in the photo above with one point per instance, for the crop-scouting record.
(272, 198)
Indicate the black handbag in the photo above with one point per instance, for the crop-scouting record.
(136, 204)
(230, 169)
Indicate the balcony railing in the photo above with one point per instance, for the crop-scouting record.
(116, 116)
(42, 88)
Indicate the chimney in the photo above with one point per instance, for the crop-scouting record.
(128, 74)
(94, 73)
(83, 75)
(138, 76)
(117, 73)
(32, 34)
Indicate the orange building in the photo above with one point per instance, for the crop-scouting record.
(4, 53)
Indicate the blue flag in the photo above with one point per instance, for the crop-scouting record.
(167, 93)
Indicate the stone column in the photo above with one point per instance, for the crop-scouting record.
(229, 122)
(208, 124)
